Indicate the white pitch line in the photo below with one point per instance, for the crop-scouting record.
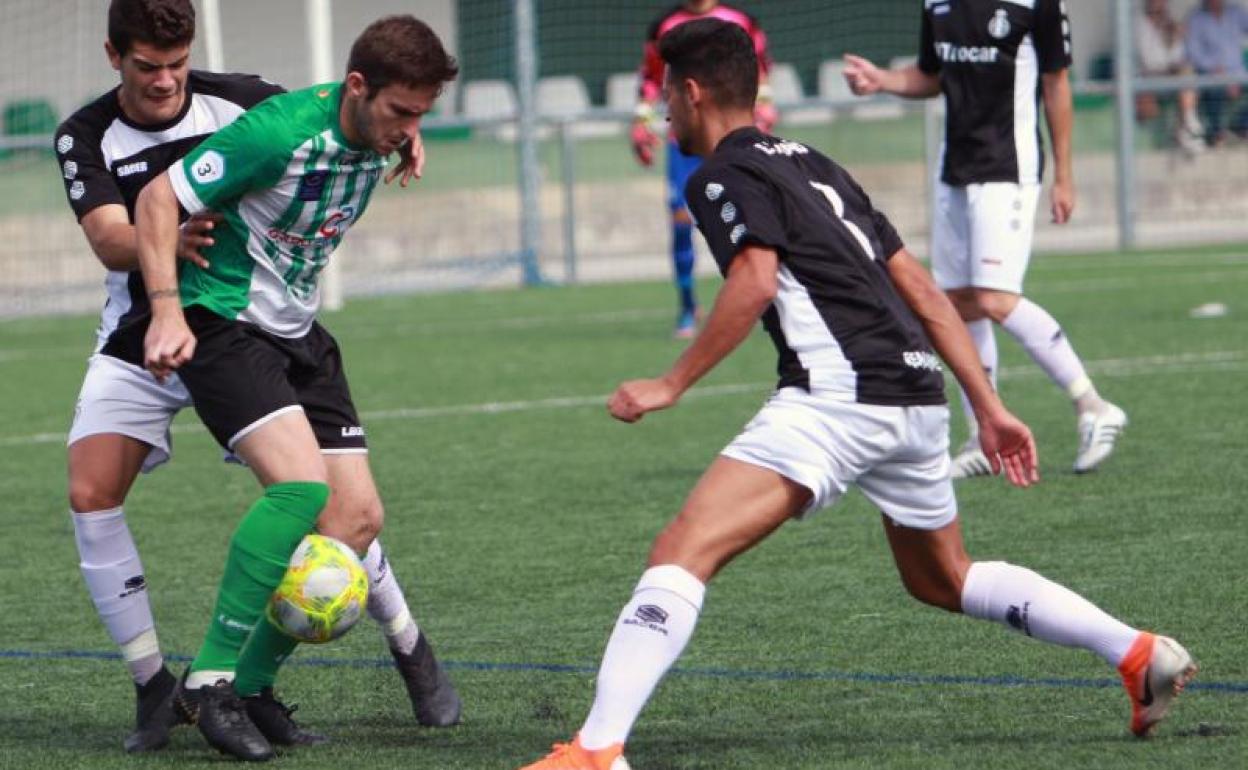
(1143, 366)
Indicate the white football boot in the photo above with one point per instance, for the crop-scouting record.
(970, 461)
(1154, 672)
(1097, 433)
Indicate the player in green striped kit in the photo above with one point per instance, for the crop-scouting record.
(289, 178)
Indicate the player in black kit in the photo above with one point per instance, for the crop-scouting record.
(859, 402)
(997, 63)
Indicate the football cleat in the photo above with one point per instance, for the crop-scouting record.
(222, 720)
(273, 719)
(1097, 433)
(1154, 671)
(970, 461)
(573, 756)
(686, 324)
(154, 713)
(434, 700)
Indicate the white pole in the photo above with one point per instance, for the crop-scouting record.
(212, 36)
(321, 70)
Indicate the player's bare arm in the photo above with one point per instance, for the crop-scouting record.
(1059, 113)
(112, 237)
(865, 79)
(1007, 442)
(746, 294)
(169, 342)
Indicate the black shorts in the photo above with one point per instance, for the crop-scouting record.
(241, 375)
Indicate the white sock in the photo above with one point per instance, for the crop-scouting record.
(386, 603)
(1046, 343)
(114, 575)
(1042, 609)
(985, 339)
(649, 636)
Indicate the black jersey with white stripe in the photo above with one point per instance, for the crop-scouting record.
(106, 158)
(837, 322)
(989, 55)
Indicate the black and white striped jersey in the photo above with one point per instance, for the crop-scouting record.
(989, 55)
(105, 158)
(837, 322)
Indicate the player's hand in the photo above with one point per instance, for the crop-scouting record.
(765, 116)
(169, 343)
(195, 234)
(863, 77)
(644, 142)
(1008, 445)
(1063, 201)
(633, 399)
(412, 164)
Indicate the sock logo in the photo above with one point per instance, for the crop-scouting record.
(133, 585)
(649, 616)
(1018, 618)
(381, 570)
(234, 625)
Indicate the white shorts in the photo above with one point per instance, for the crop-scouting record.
(897, 455)
(981, 235)
(118, 397)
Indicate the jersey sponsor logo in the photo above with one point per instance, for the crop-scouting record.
(784, 147)
(713, 191)
(737, 234)
(311, 186)
(337, 222)
(728, 213)
(64, 144)
(209, 168)
(138, 167)
(70, 169)
(999, 24)
(77, 190)
(921, 359)
(974, 54)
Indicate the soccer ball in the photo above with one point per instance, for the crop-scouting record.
(323, 592)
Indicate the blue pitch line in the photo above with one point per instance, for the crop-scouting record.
(714, 673)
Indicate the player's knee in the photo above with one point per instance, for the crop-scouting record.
(680, 543)
(356, 524)
(943, 591)
(965, 303)
(996, 305)
(87, 495)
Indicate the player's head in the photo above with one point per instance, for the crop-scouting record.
(149, 43)
(712, 73)
(395, 72)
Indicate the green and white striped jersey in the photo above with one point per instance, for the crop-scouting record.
(289, 185)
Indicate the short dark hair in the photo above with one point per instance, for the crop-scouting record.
(400, 49)
(162, 23)
(719, 55)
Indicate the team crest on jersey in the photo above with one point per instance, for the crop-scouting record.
(311, 185)
(64, 144)
(999, 24)
(209, 168)
(713, 191)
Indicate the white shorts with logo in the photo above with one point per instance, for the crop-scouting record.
(981, 235)
(897, 455)
(118, 397)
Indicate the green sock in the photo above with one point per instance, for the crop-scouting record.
(259, 554)
(266, 649)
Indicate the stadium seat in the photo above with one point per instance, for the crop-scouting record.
(832, 85)
(622, 90)
(564, 97)
(30, 117)
(490, 100)
(786, 89)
